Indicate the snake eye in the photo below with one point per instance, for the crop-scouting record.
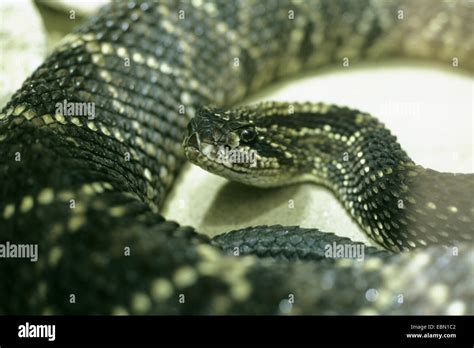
(248, 134)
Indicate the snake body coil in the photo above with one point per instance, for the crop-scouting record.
(88, 191)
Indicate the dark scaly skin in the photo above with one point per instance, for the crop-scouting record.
(189, 62)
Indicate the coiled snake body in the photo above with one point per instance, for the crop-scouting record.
(88, 191)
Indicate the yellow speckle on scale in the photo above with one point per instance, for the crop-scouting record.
(241, 290)
(87, 189)
(118, 135)
(75, 121)
(54, 256)
(60, 118)
(85, 37)
(56, 230)
(438, 293)
(420, 260)
(91, 125)
(106, 48)
(8, 211)
(122, 52)
(184, 276)
(65, 195)
(140, 303)
(47, 119)
(104, 130)
(140, 142)
(163, 173)
(165, 68)
(92, 47)
(108, 186)
(373, 264)
(152, 63)
(168, 26)
(136, 125)
(19, 109)
(150, 149)
(208, 253)
(29, 114)
(113, 91)
(147, 174)
(431, 205)
(46, 196)
(359, 118)
(422, 242)
(75, 222)
(117, 211)
(26, 204)
(118, 106)
(161, 289)
(105, 75)
(97, 186)
(343, 263)
(138, 58)
(453, 209)
(98, 59)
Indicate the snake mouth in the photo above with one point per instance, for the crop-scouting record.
(209, 156)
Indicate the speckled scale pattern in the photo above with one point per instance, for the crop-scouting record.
(286, 243)
(73, 193)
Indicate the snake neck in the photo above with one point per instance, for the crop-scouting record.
(399, 204)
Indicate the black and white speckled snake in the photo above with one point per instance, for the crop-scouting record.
(87, 191)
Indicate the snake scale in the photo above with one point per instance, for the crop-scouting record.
(88, 191)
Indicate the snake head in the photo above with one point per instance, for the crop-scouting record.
(214, 136)
(228, 143)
